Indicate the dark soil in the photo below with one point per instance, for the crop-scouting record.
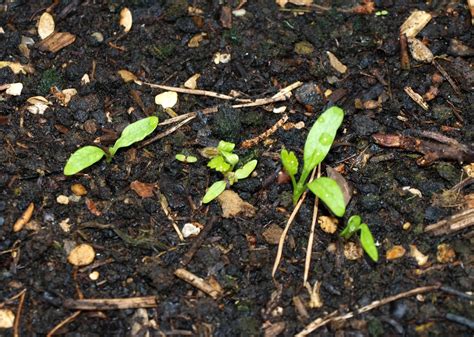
(137, 250)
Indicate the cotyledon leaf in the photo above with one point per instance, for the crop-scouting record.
(82, 158)
(330, 193)
(135, 132)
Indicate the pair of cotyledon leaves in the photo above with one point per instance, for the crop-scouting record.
(88, 155)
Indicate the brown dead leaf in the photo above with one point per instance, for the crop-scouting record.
(92, 207)
(127, 76)
(24, 218)
(272, 234)
(144, 190)
(335, 63)
(415, 23)
(196, 40)
(232, 205)
(226, 17)
(341, 182)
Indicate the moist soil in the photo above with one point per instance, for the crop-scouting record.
(136, 248)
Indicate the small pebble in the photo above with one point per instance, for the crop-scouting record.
(94, 276)
(62, 199)
(81, 255)
(78, 189)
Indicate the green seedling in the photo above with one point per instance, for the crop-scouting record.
(224, 162)
(185, 159)
(88, 155)
(366, 239)
(318, 143)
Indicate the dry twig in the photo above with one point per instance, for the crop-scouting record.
(198, 282)
(63, 323)
(111, 303)
(452, 224)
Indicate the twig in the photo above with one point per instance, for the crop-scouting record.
(188, 256)
(319, 322)
(165, 207)
(309, 248)
(111, 303)
(281, 242)
(166, 132)
(453, 223)
(446, 76)
(63, 323)
(197, 282)
(16, 325)
(254, 141)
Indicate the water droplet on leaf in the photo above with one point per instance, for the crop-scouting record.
(325, 138)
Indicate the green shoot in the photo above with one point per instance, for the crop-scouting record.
(88, 155)
(185, 159)
(366, 239)
(318, 143)
(224, 161)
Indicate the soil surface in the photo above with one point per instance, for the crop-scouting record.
(137, 249)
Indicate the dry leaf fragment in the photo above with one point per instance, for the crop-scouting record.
(335, 63)
(167, 99)
(445, 253)
(395, 252)
(196, 40)
(191, 83)
(144, 190)
(232, 205)
(92, 207)
(7, 318)
(81, 255)
(38, 104)
(419, 51)
(415, 23)
(64, 96)
(24, 218)
(352, 251)
(15, 67)
(45, 25)
(127, 76)
(328, 224)
(420, 258)
(221, 58)
(56, 41)
(272, 234)
(126, 19)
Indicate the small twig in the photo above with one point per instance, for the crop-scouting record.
(166, 210)
(254, 141)
(453, 223)
(309, 248)
(111, 303)
(16, 325)
(197, 282)
(319, 322)
(446, 76)
(188, 256)
(63, 323)
(281, 242)
(165, 133)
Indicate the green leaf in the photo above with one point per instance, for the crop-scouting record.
(353, 225)
(231, 158)
(225, 146)
(367, 241)
(135, 132)
(330, 193)
(181, 157)
(321, 136)
(214, 191)
(185, 159)
(246, 170)
(82, 158)
(219, 164)
(191, 159)
(289, 161)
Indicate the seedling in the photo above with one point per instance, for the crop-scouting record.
(88, 155)
(224, 161)
(318, 143)
(366, 239)
(185, 159)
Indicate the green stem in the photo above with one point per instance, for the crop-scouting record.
(300, 187)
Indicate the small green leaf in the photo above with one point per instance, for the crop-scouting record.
(135, 132)
(219, 164)
(214, 191)
(321, 136)
(225, 146)
(231, 158)
(181, 157)
(330, 193)
(185, 159)
(289, 161)
(82, 158)
(367, 241)
(191, 159)
(246, 170)
(353, 225)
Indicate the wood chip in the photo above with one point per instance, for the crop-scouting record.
(14, 89)
(126, 19)
(335, 63)
(25, 217)
(45, 25)
(81, 255)
(415, 23)
(417, 98)
(56, 41)
(144, 190)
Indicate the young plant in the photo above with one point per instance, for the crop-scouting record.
(366, 239)
(185, 159)
(88, 155)
(224, 161)
(318, 143)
